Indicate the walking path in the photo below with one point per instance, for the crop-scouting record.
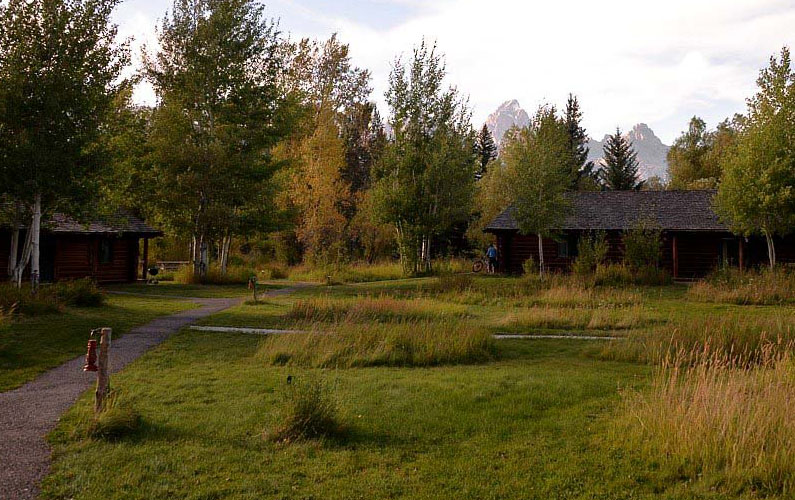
(28, 413)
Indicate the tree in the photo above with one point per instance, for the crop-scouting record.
(365, 139)
(492, 196)
(486, 149)
(425, 178)
(694, 158)
(620, 169)
(583, 175)
(757, 193)
(221, 109)
(539, 173)
(60, 71)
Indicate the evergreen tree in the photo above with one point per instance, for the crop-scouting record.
(583, 174)
(486, 149)
(620, 169)
(365, 139)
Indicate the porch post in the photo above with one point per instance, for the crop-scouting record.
(741, 257)
(675, 251)
(145, 270)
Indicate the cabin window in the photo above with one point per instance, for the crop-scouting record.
(563, 249)
(105, 251)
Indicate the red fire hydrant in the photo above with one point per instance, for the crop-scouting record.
(91, 357)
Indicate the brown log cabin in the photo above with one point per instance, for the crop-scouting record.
(695, 241)
(105, 250)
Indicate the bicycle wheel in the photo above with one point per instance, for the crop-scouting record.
(477, 266)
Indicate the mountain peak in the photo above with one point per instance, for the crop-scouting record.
(652, 153)
(507, 115)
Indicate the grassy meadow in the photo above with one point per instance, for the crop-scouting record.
(688, 399)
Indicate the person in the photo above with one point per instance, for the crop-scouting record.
(491, 254)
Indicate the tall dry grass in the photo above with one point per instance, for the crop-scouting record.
(748, 287)
(729, 333)
(561, 318)
(724, 419)
(381, 308)
(407, 343)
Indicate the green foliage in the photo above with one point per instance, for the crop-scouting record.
(643, 246)
(620, 169)
(757, 195)
(217, 76)
(529, 266)
(486, 149)
(50, 298)
(591, 253)
(425, 179)
(234, 275)
(538, 163)
(80, 293)
(492, 196)
(694, 160)
(310, 410)
(583, 175)
(613, 275)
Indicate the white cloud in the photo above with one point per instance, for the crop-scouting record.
(628, 61)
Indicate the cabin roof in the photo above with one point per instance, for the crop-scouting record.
(622, 210)
(119, 223)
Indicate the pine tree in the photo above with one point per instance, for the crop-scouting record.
(620, 169)
(486, 149)
(582, 170)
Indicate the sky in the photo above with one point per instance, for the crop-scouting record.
(656, 62)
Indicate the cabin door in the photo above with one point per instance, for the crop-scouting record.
(730, 252)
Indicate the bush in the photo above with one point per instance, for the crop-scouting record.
(80, 293)
(592, 252)
(730, 285)
(408, 343)
(643, 246)
(529, 266)
(309, 411)
(711, 418)
(613, 275)
(116, 420)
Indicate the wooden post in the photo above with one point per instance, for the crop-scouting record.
(103, 369)
(145, 270)
(741, 257)
(675, 251)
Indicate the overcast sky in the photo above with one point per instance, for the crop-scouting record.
(628, 61)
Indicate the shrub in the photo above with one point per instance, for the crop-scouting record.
(116, 420)
(591, 253)
(613, 275)
(711, 418)
(730, 285)
(309, 411)
(408, 343)
(22, 301)
(80, 293)
(643, 246)
(529, 266)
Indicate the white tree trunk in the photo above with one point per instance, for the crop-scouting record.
(22, 263)
(13, 250)
(540, 256)
(226, 245)
(771, 249)
(204, 258)
(35, 230)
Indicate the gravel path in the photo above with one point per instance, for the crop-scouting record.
(28, 413)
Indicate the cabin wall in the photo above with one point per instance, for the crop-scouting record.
(66, 257)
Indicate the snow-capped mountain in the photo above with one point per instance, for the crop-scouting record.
(651, 151)
(509, 113)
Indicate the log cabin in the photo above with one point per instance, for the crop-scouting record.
(694, 240)
(105, 250)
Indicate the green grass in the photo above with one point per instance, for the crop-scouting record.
(535, 419)
(524, 427)
(31, 345)
(179, 290)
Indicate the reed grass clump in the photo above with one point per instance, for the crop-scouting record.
(309, 410)
(407, 343)
(726, 420)
(556, 318)
(382, 308)
(761, 287)
(116, 420)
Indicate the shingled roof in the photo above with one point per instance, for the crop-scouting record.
(120, 223)
(622, 210)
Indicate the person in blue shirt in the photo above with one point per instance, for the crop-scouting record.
(491, 254)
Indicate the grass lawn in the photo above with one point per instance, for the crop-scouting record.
(31, 345)
(543, 419)
(180, 290)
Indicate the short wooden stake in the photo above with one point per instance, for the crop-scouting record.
(103, 369)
